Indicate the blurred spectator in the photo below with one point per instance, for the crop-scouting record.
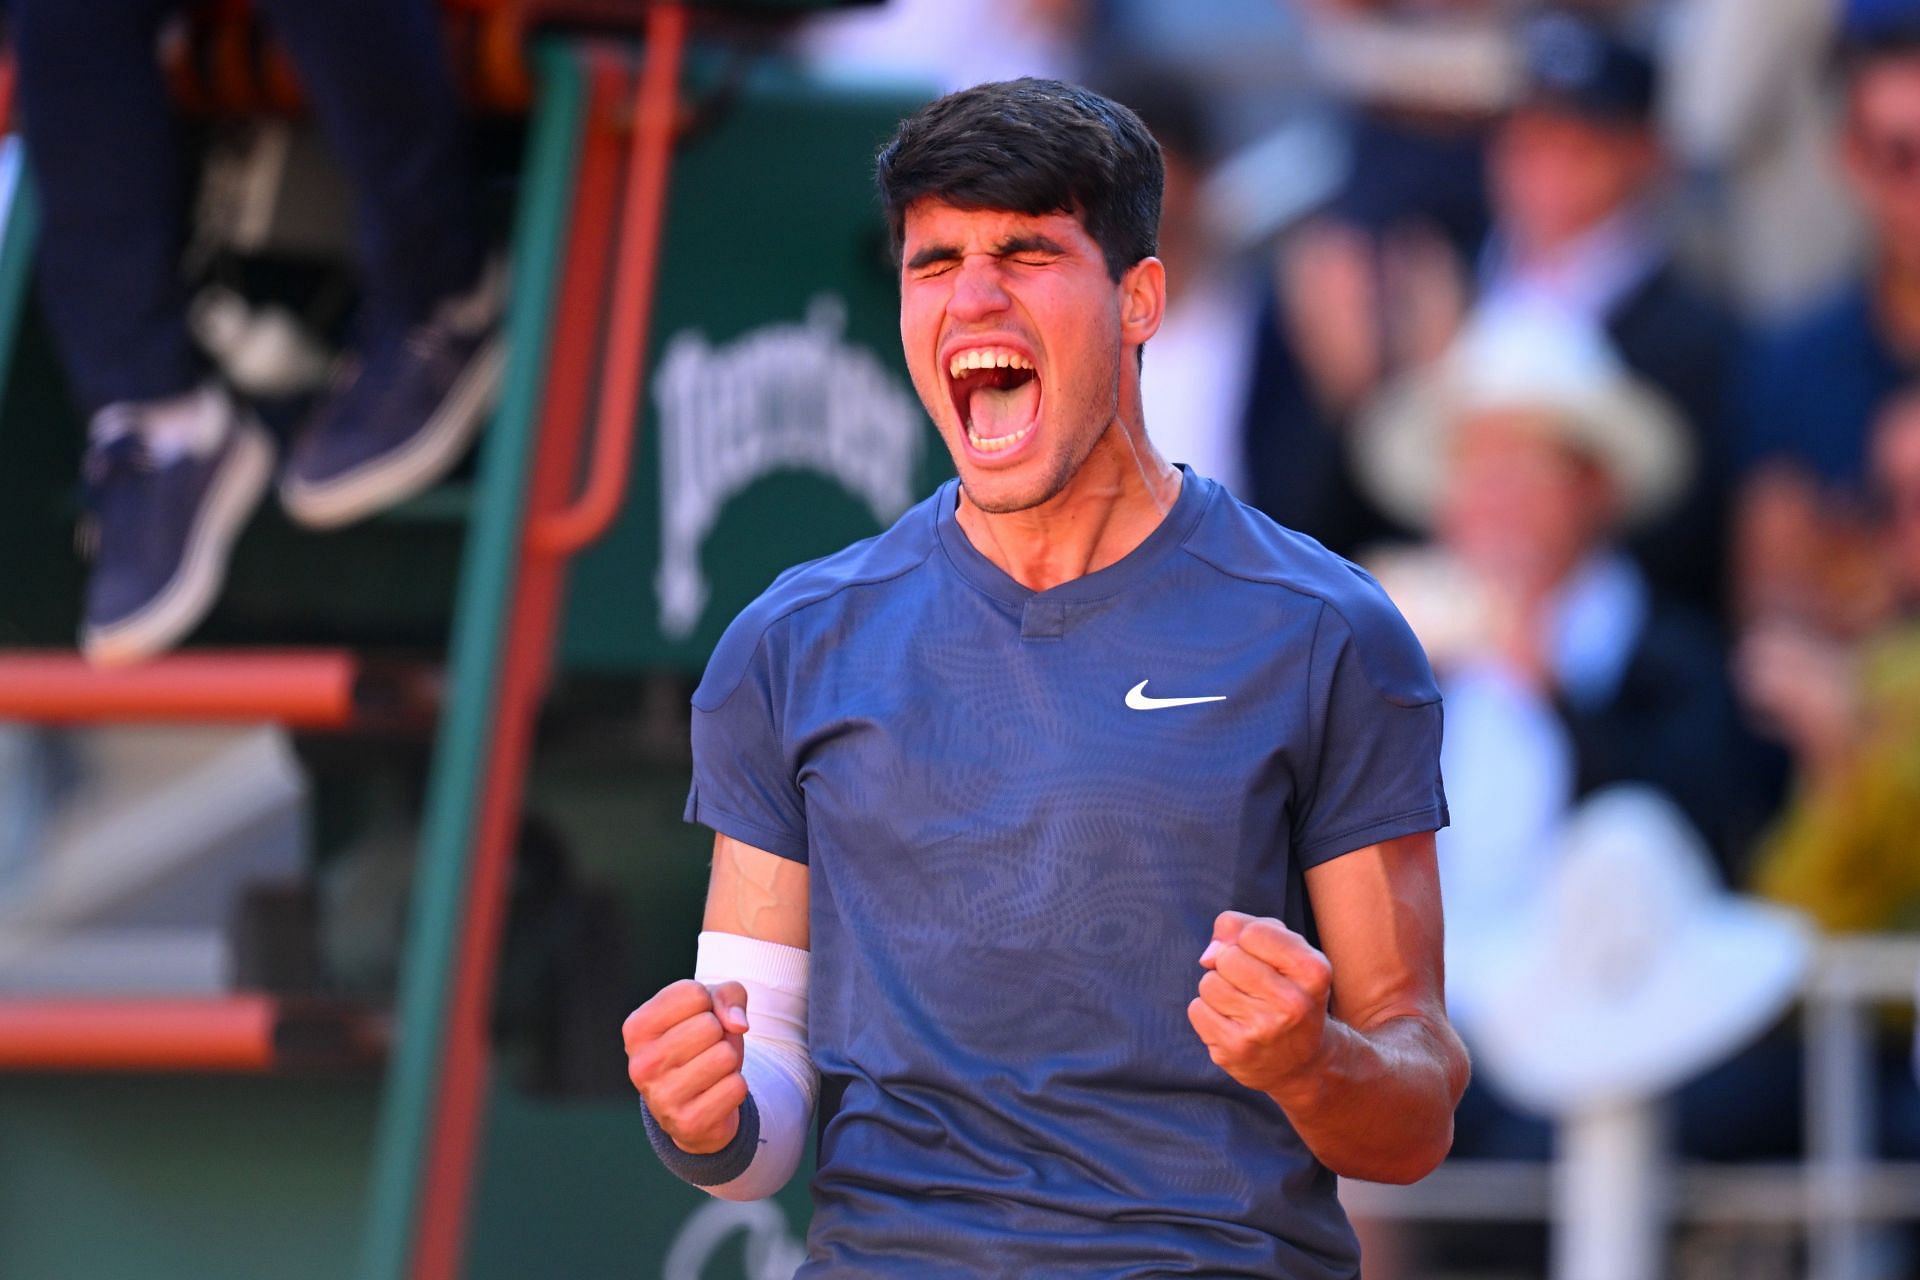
(1813, 384)
(1572, 170)
(1835, 673)
(1421, 80)
(1849, 709)
(1748, 115)
(950, 44)
(175, 464)
(1575, 170)
(1195, 377)
(1527, 453)
(1376, 283)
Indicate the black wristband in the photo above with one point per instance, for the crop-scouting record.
(715, 1167)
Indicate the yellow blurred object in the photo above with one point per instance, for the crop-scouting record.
(1848, 851)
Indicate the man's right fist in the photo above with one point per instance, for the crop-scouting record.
(684, 1050)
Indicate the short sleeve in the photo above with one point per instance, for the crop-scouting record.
(744, 784)
(1374, 774)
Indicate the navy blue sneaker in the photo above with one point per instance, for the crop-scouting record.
(400, 414)
(169, 486)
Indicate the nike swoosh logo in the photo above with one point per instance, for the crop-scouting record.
(1137, 699)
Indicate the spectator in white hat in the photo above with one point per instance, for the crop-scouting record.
(1527, 453)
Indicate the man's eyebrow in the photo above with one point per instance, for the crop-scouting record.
(931, 254)
(1026, 242)
(1029, 242)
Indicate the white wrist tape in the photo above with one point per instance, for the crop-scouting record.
(780, 1074)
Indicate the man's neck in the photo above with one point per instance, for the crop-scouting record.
(1119, 495)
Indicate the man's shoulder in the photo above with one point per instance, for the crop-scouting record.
(1243, 544)
(886, 556)
(889, 554)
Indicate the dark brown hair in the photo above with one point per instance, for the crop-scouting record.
(1034, 147)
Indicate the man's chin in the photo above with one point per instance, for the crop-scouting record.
(1003, 493)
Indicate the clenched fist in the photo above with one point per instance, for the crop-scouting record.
(684, 1050)
(1262, 1007)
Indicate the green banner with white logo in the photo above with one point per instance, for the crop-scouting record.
(779, 422)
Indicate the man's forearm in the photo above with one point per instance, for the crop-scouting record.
(1379, 1105)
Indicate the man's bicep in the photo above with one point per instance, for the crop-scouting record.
(756, 894)
(1378, 914)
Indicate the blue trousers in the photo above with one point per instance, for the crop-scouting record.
(105, 150)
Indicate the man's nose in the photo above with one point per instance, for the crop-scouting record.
(978, 290)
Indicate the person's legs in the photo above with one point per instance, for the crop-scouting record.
(376, 73)
(174, 466)
(426, 359)
(104, 150)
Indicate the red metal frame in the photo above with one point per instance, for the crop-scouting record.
(656, 119)
(451, 1163)
(228, 1034)
(305, 689)
(246, 1033)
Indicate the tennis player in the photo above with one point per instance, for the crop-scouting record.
(1074, 868)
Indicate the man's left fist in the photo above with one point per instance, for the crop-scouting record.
(1262, 1008)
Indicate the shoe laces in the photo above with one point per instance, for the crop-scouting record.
(345, 372)
(424, 342)
(116, 449)
(429, 342)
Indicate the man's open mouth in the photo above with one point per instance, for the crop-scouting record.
(996, 392)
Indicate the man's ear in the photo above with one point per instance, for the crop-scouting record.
(1143, 301)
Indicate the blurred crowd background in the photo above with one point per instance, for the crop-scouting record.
(1590, 329)
(1593, 330)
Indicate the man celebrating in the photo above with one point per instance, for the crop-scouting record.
(1074, 840)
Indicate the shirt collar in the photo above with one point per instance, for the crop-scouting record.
(1594, 625)
(1196, 491)
(1587, 276)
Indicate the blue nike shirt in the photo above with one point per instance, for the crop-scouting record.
(1016, 860)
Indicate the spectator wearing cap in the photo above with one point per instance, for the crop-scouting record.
(1812, 385)
(1573, 168)
(1574, 173)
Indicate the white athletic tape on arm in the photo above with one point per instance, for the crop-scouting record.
(779, 1072)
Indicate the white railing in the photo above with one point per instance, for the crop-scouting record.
(1612, 1188)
